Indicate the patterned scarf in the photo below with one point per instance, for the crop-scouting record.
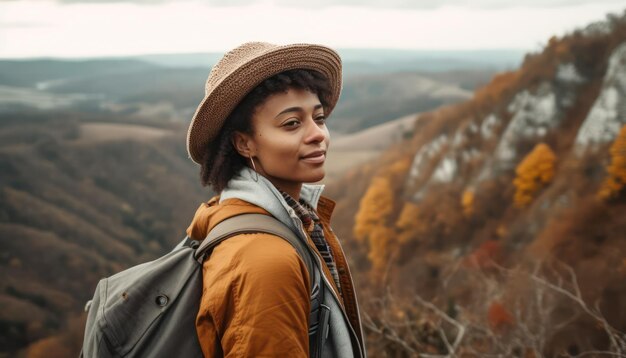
(312, 225)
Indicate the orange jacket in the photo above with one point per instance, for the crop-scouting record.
(256, 299)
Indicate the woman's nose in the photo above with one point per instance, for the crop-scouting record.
(316, 132)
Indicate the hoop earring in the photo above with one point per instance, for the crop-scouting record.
(254, 168)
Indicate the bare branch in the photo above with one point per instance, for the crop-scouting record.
(460, 328)
(392, 336)
(595, 353)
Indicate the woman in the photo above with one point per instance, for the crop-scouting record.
(260, 135)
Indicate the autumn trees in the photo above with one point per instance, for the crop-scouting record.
(374, 208)
(534, 172)
(371, 221)
(616, 170)
(374, 225)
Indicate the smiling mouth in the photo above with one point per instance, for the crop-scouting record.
(319, 158)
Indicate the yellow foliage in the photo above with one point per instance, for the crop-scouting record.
(408, 223)
(533, 173)
(467, 202)
(374, 208)
(381, 247)
(616, 170)
(407, 216)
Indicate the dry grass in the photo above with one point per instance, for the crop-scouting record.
(376, 138)
(105, 132)
(340, 161)
(351, 150)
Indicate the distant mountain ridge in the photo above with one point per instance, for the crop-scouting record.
(359, 60)
(171, 94)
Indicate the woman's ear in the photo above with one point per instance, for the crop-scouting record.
(242, 143)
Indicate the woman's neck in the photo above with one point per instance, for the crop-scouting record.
(289, 187)
(293, 190)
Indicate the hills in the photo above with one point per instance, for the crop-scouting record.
(74, 208)
(469, 229)
(95, 178)
(378, 85)
(497, 226)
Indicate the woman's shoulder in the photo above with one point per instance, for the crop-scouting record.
(259, 262)
(256, 252)
(256, 246)
(212, 212)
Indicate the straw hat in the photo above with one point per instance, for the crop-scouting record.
(241, 70)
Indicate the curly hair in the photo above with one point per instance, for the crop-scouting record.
(221, 161)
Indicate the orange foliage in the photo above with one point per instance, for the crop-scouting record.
(500, 85)
(467, 202)
(557, 50)
(533, 173)
(400, 167)
(616, 180)
(499, 317)
(49, 347)
(374, 208)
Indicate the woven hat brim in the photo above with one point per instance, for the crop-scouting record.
(225, 95)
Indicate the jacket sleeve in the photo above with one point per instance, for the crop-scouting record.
(255, 301)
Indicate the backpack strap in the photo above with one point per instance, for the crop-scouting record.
(253, 223)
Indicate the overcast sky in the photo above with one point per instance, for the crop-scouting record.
(78, 28)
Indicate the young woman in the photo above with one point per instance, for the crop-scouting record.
(260, 136)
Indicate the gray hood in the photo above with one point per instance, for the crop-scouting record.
(264, 194)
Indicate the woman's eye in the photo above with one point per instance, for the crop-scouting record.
(321, 119)
(292, 124)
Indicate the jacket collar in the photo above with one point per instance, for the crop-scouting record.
(264, 194)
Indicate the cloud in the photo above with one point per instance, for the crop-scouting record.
(434, 4)
(185, 26)
(138, 2)
(218, 3)
(389, 4)
(21, 24)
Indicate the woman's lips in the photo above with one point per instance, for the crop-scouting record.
(316, 159)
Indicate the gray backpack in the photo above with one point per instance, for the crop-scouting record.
(149, 310)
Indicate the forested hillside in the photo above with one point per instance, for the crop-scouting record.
(499, 226)
(73, 211)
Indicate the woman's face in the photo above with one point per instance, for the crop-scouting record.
(289, 140)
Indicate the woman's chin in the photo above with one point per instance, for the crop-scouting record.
(315, 177)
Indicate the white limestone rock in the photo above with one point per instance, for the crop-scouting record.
(446, 170)
(533, 116)
(608, 113)
(488, 125)
(567, 73)
(425, 155)
(469, 155)
(459, 138)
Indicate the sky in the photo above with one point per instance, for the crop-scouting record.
(88, 28)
